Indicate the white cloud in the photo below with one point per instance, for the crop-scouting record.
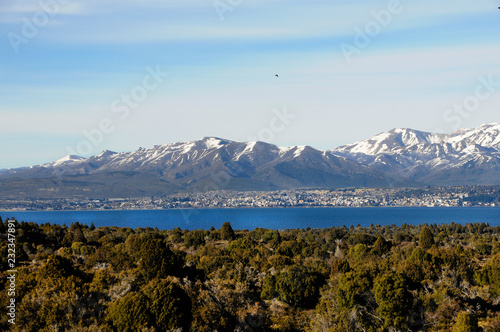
(28, 7)
(14, 14)
(142, 22)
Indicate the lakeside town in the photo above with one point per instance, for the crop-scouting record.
(460, 196)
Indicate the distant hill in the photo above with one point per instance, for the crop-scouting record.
(399, 157)
(204, 165)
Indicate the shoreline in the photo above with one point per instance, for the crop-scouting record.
(255, 207)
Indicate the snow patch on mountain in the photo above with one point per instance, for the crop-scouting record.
(247, 150)
(418, 154)
(69, 159)
(298, 150)
(212, 142)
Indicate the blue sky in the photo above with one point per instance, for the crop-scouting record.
(68, 75)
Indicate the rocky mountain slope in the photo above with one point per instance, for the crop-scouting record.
(207, 164)
(469, 156)
(399, 157)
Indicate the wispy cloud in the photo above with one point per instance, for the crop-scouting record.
(157, 20)
(31, 7)
(223, 83)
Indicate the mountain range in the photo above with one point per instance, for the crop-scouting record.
(397, 158)
(465, 157)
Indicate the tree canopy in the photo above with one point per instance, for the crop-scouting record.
(378, 278)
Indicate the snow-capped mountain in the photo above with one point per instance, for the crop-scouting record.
(399, 157)
(468, 156)
(207, 164)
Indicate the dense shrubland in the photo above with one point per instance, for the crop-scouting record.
(408, 278)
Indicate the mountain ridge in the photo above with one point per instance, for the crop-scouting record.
(398, 157)
(207, 164)
(433, 159)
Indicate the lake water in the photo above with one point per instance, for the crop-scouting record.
(271, 218)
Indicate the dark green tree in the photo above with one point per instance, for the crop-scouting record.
(58, 267)
(157, 260)
(169, 305)
(394, 299)
(426, 239)
(352, 286)
(381, 246)
(269, 287)
(21, 255)
(272, 237)
(130, 313)
(298, 286)
(194, 238)
(290, 248)
(227, 232)
(76, 230)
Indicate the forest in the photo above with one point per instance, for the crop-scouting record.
(380, 278)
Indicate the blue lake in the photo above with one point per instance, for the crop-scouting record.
(271, 218)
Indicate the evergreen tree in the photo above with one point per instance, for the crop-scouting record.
(394, 299)
(352, 286)
(169, 305)
(381, 246)
(426, 239)
(130, 313)
(298, 286)
(157, 260)
(76, 233)
(226, 232)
